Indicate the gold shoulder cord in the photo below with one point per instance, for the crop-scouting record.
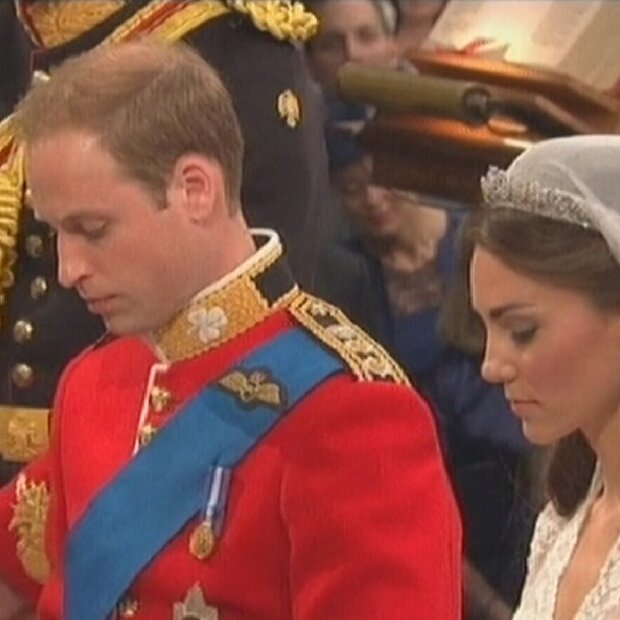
(50, 23)
(167, 21)
(29, 520)
(11, 199)
(282, 19)
(367, 360)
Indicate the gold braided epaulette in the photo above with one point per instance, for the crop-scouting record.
(368, 360)
(286, 20)
(29, 522)
(11, 199)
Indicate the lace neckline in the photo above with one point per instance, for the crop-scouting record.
(601, 599)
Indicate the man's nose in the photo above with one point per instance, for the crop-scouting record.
(72, 264)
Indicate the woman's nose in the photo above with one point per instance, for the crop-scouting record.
(496, 368)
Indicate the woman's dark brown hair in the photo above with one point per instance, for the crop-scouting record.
(565, 255)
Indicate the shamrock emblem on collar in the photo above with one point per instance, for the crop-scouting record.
(209, 323)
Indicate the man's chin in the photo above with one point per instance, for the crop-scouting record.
(129, 326)
(119, 327)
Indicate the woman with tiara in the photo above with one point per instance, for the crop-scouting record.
(544, 276)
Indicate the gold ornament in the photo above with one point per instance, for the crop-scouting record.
(202, 541)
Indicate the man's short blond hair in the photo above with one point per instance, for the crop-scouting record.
(150, 103)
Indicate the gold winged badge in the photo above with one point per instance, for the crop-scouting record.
(254, 387)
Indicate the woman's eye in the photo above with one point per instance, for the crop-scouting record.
(523, 335)
(94, 232)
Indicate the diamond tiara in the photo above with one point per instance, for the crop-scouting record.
(500, 190)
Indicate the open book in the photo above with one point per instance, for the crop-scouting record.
(579, 38)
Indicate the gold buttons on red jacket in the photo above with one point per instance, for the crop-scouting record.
(146, 434)
(159, 399)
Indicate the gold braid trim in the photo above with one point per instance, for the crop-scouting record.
(367, 360)
(11, 199)
(286, 20)
(167, 21)
(29, 521)
(50, 23)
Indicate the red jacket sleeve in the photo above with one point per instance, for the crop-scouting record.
(374, 528)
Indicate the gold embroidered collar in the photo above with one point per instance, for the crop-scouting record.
(243, 298)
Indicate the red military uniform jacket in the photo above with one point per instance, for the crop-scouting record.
(342, 511)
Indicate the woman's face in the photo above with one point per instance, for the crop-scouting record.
(375, 212)
(555, 353)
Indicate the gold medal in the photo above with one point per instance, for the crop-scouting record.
(289, 108)
(202, 541)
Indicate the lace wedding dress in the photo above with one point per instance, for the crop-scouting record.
(554, 541)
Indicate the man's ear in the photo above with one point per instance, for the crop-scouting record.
(197, 185)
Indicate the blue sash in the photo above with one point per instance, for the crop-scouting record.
(162, 487)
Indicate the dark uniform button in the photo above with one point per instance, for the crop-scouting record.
(22, 375)
(34, 246)
(22, 331)
(38, 287)
(28, 198)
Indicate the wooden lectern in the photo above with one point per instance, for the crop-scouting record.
(445, 157)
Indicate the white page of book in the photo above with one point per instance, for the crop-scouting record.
(577, 37)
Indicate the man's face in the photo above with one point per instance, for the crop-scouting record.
(349, 31)
(122, 253)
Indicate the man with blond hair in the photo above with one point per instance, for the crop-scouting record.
(235, 448)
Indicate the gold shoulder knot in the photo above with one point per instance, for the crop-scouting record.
(29, 520)
(368, 360)
(284, 19)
